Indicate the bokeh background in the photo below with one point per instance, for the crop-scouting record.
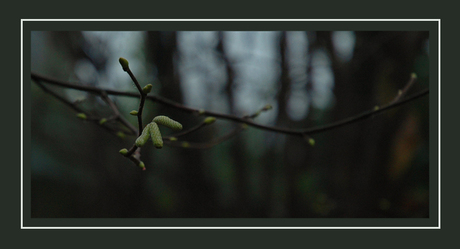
(374, 168)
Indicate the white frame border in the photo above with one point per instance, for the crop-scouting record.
(226, 20)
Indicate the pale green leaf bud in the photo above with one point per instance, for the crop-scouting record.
(102, 121)
(209, 120)
(124, 63)
(168, 122)
(147, 88)
(144, 137)
(311, 141)
(185, 144)
(120, 134)
(133, 112)
(156, 135)
(81, 116)
(173, 139)
(124, 151)
(142, 165)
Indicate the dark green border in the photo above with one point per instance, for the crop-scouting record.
(129, 25)
(271, 25)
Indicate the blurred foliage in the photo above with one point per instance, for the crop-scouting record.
(374, 168)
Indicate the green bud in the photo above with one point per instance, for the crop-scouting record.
(120, 134)
(413, 76)
(201, 112)
(142, 165)
(81, 116)
(147, 88)
(156, 135)
(133, 112)
(209, 120)
(168, 122)
(144, 137)
(124, 63)
(173, 139)
(311, 141)
(102, 121)
(185, 144)
(376, 108)
(124, 151)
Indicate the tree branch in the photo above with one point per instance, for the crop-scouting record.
(294, 132)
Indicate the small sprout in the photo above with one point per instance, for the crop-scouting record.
(81, 116)
(201, 112)
(124, 63)
(311, 141)
(168, 122)
(102, 121)
(185, 144)
(133, 112)
(400, 92)
(267, 107)
(376, 108)
(155, 135)
(144, 137)
(173, 139)
(124, 151)
(142, 165)
(413, 76)
(147, 88)
(120, 134)
(209, 120)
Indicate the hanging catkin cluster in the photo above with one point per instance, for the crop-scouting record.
(153, 131)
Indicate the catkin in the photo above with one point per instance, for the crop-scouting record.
(168, 122)
(156, 135)
(144, 137)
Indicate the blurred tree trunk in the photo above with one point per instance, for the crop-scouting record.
(242, 205)
(356, 165)
(195, 191)
(278, 172)
(291, 160)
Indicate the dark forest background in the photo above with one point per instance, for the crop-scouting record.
(374, 168)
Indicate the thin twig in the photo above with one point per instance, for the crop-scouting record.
(142, 101)
(116, 112)
(207, 145)
(216, 141)
(72, 105)
(404, 91)
(186, 132)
